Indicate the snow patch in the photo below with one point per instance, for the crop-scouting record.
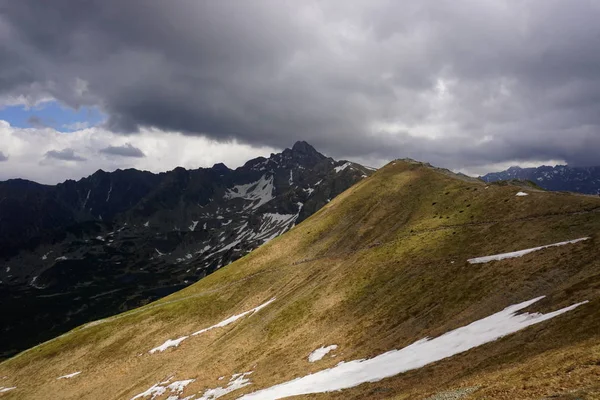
(33, 284)
(259, 192)
(109, 192)
(147, 224)
(7, 389)
(321, 352)
(520, 253)
(161, 388)
(234, 318)
(342, 167)
(69, 376)
(167, 344)
(521, 194)
(61, 258)
(177, 342)
(193, 225)
(236, 382)
(420, 353)
(86, 198)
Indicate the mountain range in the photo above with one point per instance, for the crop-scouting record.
(110, 242)
(559, 178)
(414, 283)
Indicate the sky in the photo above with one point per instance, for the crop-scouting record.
(474, 86)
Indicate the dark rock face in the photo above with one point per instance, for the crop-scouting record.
(84, 250)
(561, 177)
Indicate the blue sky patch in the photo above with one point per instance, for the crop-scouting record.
(52, 114)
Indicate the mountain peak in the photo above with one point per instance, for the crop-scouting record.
(220, 167)
(303, 147)
(303, 152)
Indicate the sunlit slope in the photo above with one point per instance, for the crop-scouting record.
(380, 267)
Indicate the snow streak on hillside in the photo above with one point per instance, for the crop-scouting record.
(177, 342)
(520, 253)
(425, 351)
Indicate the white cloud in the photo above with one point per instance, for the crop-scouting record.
(164, 151)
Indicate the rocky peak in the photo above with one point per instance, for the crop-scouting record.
(301, 153)
(220, 167)
(302, 147)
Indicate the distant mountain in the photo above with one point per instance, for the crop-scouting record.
(561, 177)
(87, 249)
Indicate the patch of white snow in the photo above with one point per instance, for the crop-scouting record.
(109, 192)
(177, 342)
(193, 225)
(259, 192)
(520, 253)
(167, 344)
(342, 167)
(420, 353)
(234, 318)
(321, 352)
(86, 198)
(236, 382)
(161, 388)
(521, 194)
(69, 376)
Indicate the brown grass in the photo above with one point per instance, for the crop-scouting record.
(382, 265)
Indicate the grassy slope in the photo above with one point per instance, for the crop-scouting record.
(381, 266)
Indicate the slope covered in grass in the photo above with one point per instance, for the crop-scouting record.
(381, 267)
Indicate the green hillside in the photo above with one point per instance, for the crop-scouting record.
(380, 267)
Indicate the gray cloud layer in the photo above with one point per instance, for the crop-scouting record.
(458, 84)
(127, 150)
(64, 155)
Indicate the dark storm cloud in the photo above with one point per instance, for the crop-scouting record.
(3, 157)
(127, 150)
(64, 155)
(454, 83)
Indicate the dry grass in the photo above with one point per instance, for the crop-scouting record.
(381, 266)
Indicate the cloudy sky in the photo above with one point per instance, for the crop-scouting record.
(470, 85)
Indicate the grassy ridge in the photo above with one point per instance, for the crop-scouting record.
(382, 265)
